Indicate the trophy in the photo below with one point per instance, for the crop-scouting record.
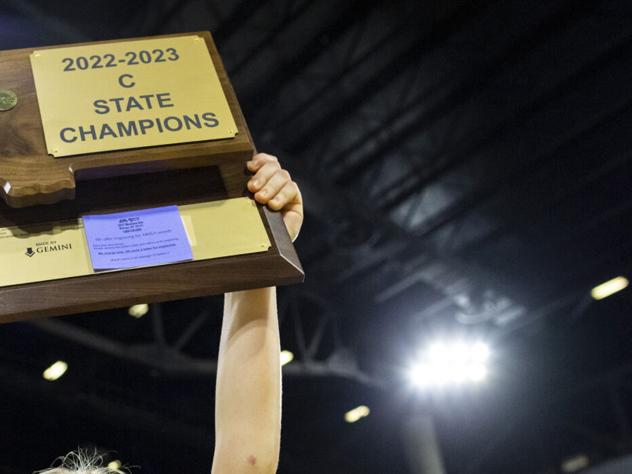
(123, 180)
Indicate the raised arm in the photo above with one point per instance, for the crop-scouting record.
(248, 391)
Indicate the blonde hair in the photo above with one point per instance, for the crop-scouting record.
(80, 462)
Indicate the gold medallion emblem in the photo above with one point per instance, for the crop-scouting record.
(8, 100)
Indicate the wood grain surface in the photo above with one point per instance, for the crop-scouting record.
(39, 188)
(29, 176)
(278, 266)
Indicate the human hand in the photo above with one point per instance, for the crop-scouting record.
(273, 186)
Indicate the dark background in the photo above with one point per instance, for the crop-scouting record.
(466, 169)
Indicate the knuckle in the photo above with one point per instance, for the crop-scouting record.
(270, 166)
(281, 176)
(267, 157)
(260, 158)
(292, 188)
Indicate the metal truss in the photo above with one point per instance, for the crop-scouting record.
(171, 359)
(119, 408)
(385, 91)
(395, 133)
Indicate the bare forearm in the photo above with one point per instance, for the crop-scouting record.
(248, 393)
(248, 399)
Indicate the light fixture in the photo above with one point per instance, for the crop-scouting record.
(55, 371)
(138, 310)
(357, 413)
(451, 363)
(609, 287)
(286, 357)
(575, 463)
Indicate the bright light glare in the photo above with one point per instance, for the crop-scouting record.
(609, 287)
(357, 413)
(451, 364)
(478, 373)
(479, 352)
(286, 357)
(114, 465)
(56, 370)
(138, 310)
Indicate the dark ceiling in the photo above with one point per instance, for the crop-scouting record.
(466, 168)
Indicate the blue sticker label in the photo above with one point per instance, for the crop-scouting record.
(137, 238)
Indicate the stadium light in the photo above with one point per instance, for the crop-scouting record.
(286, 357)
(138, 310)
(575, 463)
(451, 363)
(55, 371)
(609, 287)
(357, 414)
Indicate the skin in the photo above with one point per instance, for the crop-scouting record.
(248, 389)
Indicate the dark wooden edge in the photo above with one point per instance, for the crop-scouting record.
(146, 285)
(281, 239)
(280, 265)
(65, 190)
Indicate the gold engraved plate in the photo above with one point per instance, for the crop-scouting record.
(130, 94)
(224, 228)
(43, 252)
(59, 250)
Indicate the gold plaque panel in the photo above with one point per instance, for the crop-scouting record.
(59, 250)
(130, 94)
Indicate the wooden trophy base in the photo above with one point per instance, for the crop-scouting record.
(277, 266)
(37, 188)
